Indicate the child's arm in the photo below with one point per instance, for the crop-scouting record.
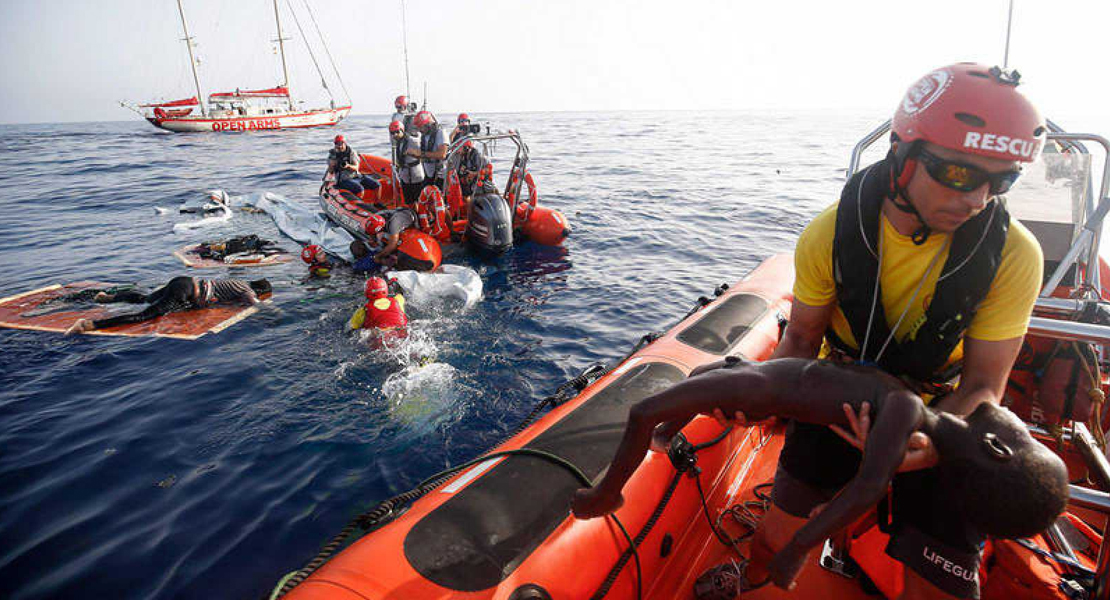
(677, 403)
(899, 417)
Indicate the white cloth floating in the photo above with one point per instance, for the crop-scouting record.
(449, 281)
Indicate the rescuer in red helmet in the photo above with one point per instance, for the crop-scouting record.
(920, 270)
(317, 260)
(406, 162)
(385, 228)
(462, 127)
(384, 310)
(403, 111)
(433, 148)
(343, 163)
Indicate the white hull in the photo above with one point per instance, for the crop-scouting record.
(314, 118)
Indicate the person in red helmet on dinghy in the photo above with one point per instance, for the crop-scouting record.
(433, 148)
(920, 270)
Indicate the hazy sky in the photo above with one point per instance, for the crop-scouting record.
(72, 60)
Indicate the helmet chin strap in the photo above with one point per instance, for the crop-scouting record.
(901, 169)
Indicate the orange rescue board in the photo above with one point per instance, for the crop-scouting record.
(185, 325)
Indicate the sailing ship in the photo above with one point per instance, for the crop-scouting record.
(244, 110)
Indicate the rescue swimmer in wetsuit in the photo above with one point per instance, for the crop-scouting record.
(995, 476)
(319, 265)
(921, 270)
(181, 293)
(384, 311)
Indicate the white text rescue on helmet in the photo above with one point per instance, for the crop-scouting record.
(1000, 143)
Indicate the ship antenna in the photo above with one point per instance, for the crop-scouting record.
(1009, 26)
(405, 42)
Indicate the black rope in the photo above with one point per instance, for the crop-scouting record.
(634, 544)
(373, 517)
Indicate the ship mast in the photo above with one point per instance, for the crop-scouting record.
(192, 61)
(1009, 26)
(281, 45)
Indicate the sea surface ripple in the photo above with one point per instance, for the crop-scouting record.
(157, 468)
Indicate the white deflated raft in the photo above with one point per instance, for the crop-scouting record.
(448, 281)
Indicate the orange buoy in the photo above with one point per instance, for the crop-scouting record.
(545, 225)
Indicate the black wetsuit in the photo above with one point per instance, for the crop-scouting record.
(177, 295)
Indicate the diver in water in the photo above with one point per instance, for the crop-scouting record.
(384, 311)
(993, 474)
(316, 258)
(181, 293)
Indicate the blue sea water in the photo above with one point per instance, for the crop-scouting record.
(158, 468)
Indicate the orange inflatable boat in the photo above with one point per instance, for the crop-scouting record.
(417, 251)
(499, 527)
(495, 221)
(502, 528)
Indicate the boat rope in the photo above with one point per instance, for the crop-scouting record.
(328, 52)
(375, 516)
(633, 546)
(311, 54)
(379, 514)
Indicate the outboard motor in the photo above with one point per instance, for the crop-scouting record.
(490, 227)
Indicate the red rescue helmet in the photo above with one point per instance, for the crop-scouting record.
(422, 119)
(463, 117)
(396, 127)
(401, 102)
(972, 108)
(374, 224)
(339, 139)
(310, 253)
(376, 288)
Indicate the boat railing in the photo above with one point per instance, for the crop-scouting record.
(488, 141)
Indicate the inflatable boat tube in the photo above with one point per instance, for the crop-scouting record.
(545, 225)
(502, 529)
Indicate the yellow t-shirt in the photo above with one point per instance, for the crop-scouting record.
(1003, 314)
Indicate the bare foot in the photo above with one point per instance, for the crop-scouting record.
(79, 326)
(589, 504)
